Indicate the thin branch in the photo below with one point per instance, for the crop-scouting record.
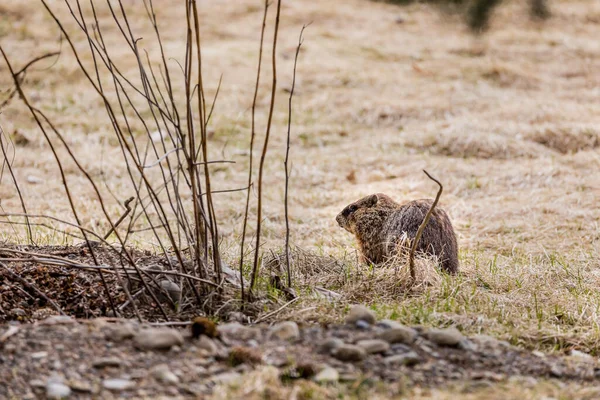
(287, 169)
(411, 257)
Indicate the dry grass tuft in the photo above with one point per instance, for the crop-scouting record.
(471, 142)
(565, 140)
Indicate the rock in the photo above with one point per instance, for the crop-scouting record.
(120, 332)
(37, 383)
(158, 339)
(236, 316)
(163, 374)
(287, 330)
(18, 312)
(349, 352)
(57, 390)
(388, 324)
(466, 344)
(328, 345)
(207, 344)
(80, 386)
(34, 179)
(580, 355)
(227, 377)
(410, 358)
(326, 375)
(360, 312)
(117, 384)
(399, 334)
(373, 346)
(171, 288)
(449, 337)
(237, 331)
(107, 362)
(362, 324)
(58, 320)
(39, 355)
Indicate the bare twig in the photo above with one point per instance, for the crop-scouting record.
(411, 257)
(256, 265)
(252, 137)
(264, 317)
(285, 163)
(127, 205)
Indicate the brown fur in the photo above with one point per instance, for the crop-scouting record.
(379, 223)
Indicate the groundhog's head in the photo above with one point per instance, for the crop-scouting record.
(354, 212)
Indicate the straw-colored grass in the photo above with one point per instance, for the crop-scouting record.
(508, 123)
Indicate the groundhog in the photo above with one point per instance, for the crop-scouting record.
(379, 224)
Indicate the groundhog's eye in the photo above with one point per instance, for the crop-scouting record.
(352, 209)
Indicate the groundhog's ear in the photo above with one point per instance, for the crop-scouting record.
(372, 200)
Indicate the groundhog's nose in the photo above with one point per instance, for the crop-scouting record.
(340, 220)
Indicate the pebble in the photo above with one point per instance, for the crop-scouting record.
(207, 344)
(466, 344)
(237, 331)
(57, 390)
(107, 362)
(287, 330)
(360, 312)
(227, 377)
(58, 319)
(117, 384)
(388, 324)
(580, 354)
(410, 358)
(349, 352)
(374, 346)
(39, 355)
(158, 339)
(362, 324)
(326, 375)
(18, 312)
(328, 345)
(399, 334)
(162, 373)
(120, 333)
(450, 337)
(171, 288)
(80, 386)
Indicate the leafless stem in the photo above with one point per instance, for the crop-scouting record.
(411, 257)
(256, 265)
(287, 169)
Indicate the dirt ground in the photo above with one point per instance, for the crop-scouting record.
(508, 122)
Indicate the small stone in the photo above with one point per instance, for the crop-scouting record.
(410, 358)
(237, 331)
(287, 330)
(374, 346)
(117, 384)
(37, 383)
(389, 324)
(360, 312)
(538, 353)
(120, 332)
(207, 344)
(399, 334)
(57, 390)
(158, 339)
(171, 288)
(107, 362)
(349, 352)
(163, 374)
(362, 324)
(450, 337)
(34, 179)
(556, 371)
(58, 320)
(227, 377)
(80, 386)
(39, 355)
(328, 345)
(580, 354)
(18, 312)
(326, 375)
(466, 344)
(236, 316)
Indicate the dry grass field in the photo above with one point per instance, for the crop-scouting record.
(509, 122)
